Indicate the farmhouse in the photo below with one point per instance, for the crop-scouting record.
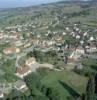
(23, 71)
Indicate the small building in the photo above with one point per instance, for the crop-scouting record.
(85, 34)
(31, 61)
(23, 71)
(67, 28)
(77, 36)
(18, 43)
(91, 49)
(11, 50)
(91, 38)
(27, 45)
(81, 42)
(76, 54)
(64, 33)
(20, 85)
(80, 50)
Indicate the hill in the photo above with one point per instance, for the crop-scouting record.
(72, 10)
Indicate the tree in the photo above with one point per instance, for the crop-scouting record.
(40, 98)
(24, 35)
(90, 90)
(30, 54)
(66, 59)
(17, 95)
(52, 94)
(33, 81)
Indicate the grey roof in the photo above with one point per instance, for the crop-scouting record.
(19, 83)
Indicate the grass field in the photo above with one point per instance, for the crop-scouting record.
(66, 83)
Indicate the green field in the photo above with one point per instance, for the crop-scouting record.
(72, 83)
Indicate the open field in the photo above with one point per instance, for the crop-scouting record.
(72, 82)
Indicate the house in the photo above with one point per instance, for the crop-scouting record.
(11, 50)
(23, 71)
(91, 49)
(76, 54)
(85, 34)
(27, 45)
(67, 28)
(12, 36)
(77, 36)
(31, 61)
(79, 50)
(20, 85)
(50, 43)
(91, 38)
(76, 28)
(18, 43)
(64, 33)
(81, 42)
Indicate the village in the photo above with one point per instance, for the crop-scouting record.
(71, 45)
(47, 51)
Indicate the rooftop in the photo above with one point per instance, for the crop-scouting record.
(19, 84)
(22, 70)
